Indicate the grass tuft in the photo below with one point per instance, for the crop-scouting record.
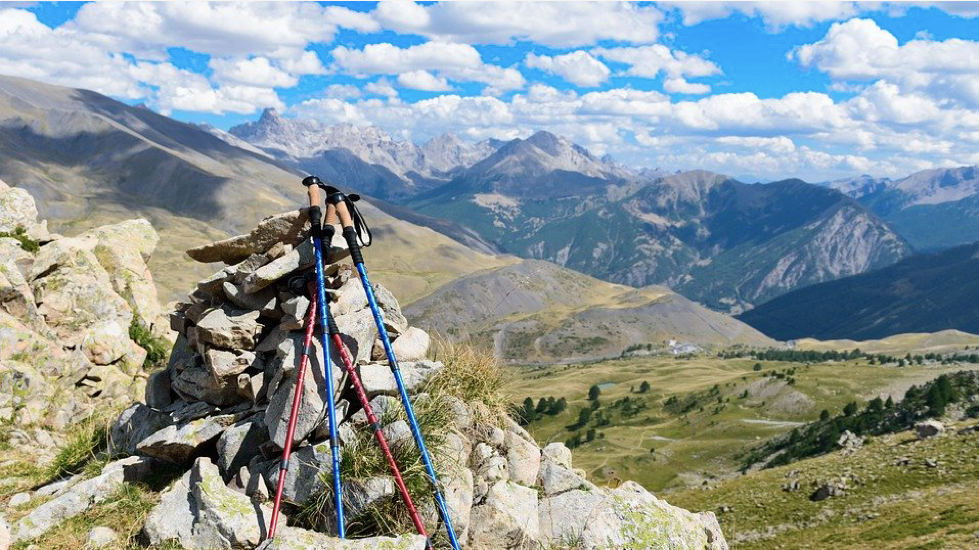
(84, 451)
(157, 349)
(473, 375)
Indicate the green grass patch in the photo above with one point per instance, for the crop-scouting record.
(26, 243)
(85, 450)
(157, 349)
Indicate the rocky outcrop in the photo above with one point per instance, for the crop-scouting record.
(67, 305)
(220, 410)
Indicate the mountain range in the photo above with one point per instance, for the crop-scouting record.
(932, 209)
(923, 293)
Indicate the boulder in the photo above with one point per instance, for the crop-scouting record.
(308, 467)
(929, 428)
(262, 301)
(200, 513)
(82, 496)
(158, 394)
(18, 210)
(358, 331)
(135, 424)
(558, 453)
(412, 345)
(239, 443)
(289, 227)
(627, 517)
(196, 383)
(180, 443)
(507, 519)
(227, 364)
(123, 250)
(379, 380)
(555, 479)
(230, 329)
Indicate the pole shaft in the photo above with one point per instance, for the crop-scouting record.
(381, 441)
(291, 430)
(328, 376)
(406, 402)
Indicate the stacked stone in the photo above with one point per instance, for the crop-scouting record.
(65, 314)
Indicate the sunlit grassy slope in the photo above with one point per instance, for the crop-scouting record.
(723, 408)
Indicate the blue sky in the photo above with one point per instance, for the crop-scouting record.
(817, 90)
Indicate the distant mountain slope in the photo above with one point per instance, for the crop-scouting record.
(923, 293)
(726, 244)
(932, 209)
(539, 311)
(90, 160)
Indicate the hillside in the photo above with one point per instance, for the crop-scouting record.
(701, 415)
(538, 311)
(90, 160)
(932, 209)
(717, 241)
(923, 293)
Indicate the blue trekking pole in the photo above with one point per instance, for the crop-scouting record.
(342, 206)
(318, 232)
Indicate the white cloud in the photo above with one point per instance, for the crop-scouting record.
(381, 87)
(459, 62)
(776, 15)
(257, 71)
(578, 67)
(342, 91)
(558, 24)
(862, 51)
(648, 61)
(681, 86)
(423, 80)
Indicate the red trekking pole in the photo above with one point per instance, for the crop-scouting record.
(296, 400)
(376, 428)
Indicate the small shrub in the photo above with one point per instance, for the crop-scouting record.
(474, 376)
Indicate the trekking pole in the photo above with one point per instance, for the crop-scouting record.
(291, 430)
(352, 223)
(318, 232)
(375, 425)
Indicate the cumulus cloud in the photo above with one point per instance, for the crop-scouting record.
(557, 24)
(423, 80)
(459, 62)
(776, 15)
(681, 86)
(649, 61)
(578, 68)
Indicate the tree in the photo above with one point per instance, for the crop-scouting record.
(644, 387)
(889, 403)
(541, 406)
(850, 409)
(594, 392)
(876, 405)
(560, 406)
(757, 367)
(590, 435)
(528, 410)
(584, 415)
(824, 415)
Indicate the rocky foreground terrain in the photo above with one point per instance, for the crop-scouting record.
(212, 422)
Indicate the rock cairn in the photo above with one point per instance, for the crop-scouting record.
(220, 408)
(66, 306)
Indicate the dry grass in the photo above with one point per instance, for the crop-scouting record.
(473, 375)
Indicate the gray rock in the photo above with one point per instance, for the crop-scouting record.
(458, 493)
(361, 494)
(929, 428)
(135, 424)
(523, 457)
(181, 442)
(4, 534)
(394, 321)
(82, 496)
(289, 227)
(200, 513)
(19, 499)
(262, 301)
(301, 257)
(100, 537)
(381, 405)
(350, 298)
(240, 443)
(397, 433)
(295, 310)
(558, 453)
(226, 364)
(196, 383)
(358, 332)
(158, 394)
(555, 479)
(312, 407)
(291, 538)
(309, 466)
(508, 518)
(412, 345)
(828, 490)
(379, 380)
(628, 517)
(229, 329)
